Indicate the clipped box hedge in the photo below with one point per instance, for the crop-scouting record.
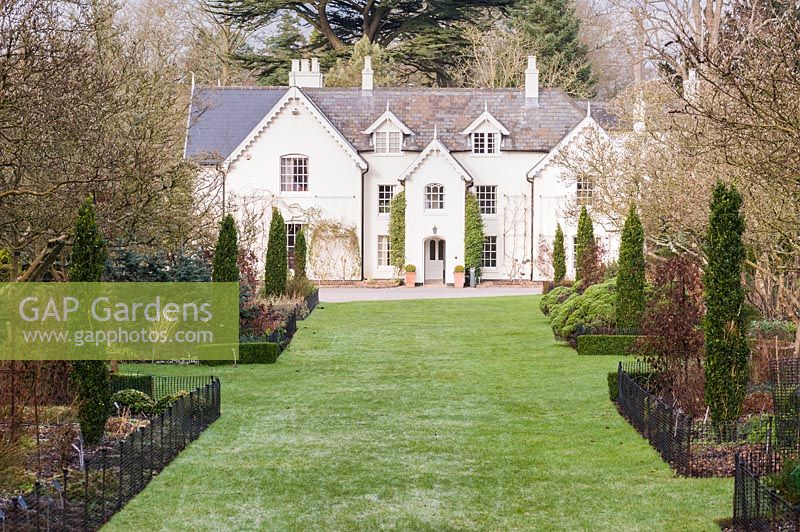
(251, 353)
(606, 344)
(143, 383)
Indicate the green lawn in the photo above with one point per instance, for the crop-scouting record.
(444, 414)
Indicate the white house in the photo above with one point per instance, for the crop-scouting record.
(332, 159)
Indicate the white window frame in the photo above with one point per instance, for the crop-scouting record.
(434, 197)
(385, 198)
(292, 228)
(575, 253)
(294, 172)
(384, 249)
(584, 190)
(487, 199)
(389, 142)
(489, 253)
(485, 143)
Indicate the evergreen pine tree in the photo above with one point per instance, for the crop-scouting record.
(284, 45)
(630, 278)
(348, 73)
(226, 253)
(727, 352)
(473, 234)
(90, 377)
(397, 231)
(300, 253)
(552, 26)
(585, 240)
(276, 264)
(559, 256)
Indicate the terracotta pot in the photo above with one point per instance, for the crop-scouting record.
(411, 279)
(458, 279)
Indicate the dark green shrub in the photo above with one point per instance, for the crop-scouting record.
(163, 403)
(613, 386)
(630, 280)
(559, 256)
(226, 253)
(554, 297)
(134, 400)
(90, 377)
(259, 353)
(592, 310)
(473, 234)
(727, 350)
(276, 265)
(397, 231)
(585, 242)
(143, 383)
(605, 344)
(300, 254)
(251, 353)
(787, 481)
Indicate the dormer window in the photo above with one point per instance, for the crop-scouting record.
(486, 133)
(388, 133)
(388, 141)
(485, 143)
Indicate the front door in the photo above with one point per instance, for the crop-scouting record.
(434, 261)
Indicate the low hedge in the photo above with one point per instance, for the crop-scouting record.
(605, 344)
(640, 377)
(251, 353)
(143, 383)
(613, 388)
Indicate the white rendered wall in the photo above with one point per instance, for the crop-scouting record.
(449, 222)
(554, 201)
(334, 185)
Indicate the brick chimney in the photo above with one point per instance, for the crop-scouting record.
(367, 75)
(305, 73)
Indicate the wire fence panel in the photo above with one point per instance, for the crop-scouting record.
(756, 505)
(667, 429)
(85, 499)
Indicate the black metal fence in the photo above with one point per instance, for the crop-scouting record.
(692, 446)
(667, 429)
(312, 300)
(757, 505)
(785, 376)
(85, 498)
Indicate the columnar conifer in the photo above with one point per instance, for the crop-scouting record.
(585, 240)
(630, 279)
(276, 264)
(226, 253)
(473, 233)
(727, 352)
(90, 377)
(559, 256)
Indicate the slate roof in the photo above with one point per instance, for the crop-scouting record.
(223, 116)
(533, 128)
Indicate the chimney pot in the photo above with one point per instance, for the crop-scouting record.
(532, 81)
(367, 75)
(305, 73)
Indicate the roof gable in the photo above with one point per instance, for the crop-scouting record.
(587, 122)
(296, 94)
(391, 117)
(486, 116)
(435, 146)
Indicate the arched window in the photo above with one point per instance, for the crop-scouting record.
(294, 173)
(434, 196)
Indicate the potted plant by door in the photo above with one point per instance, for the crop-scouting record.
(411, 275)
(458, 276)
